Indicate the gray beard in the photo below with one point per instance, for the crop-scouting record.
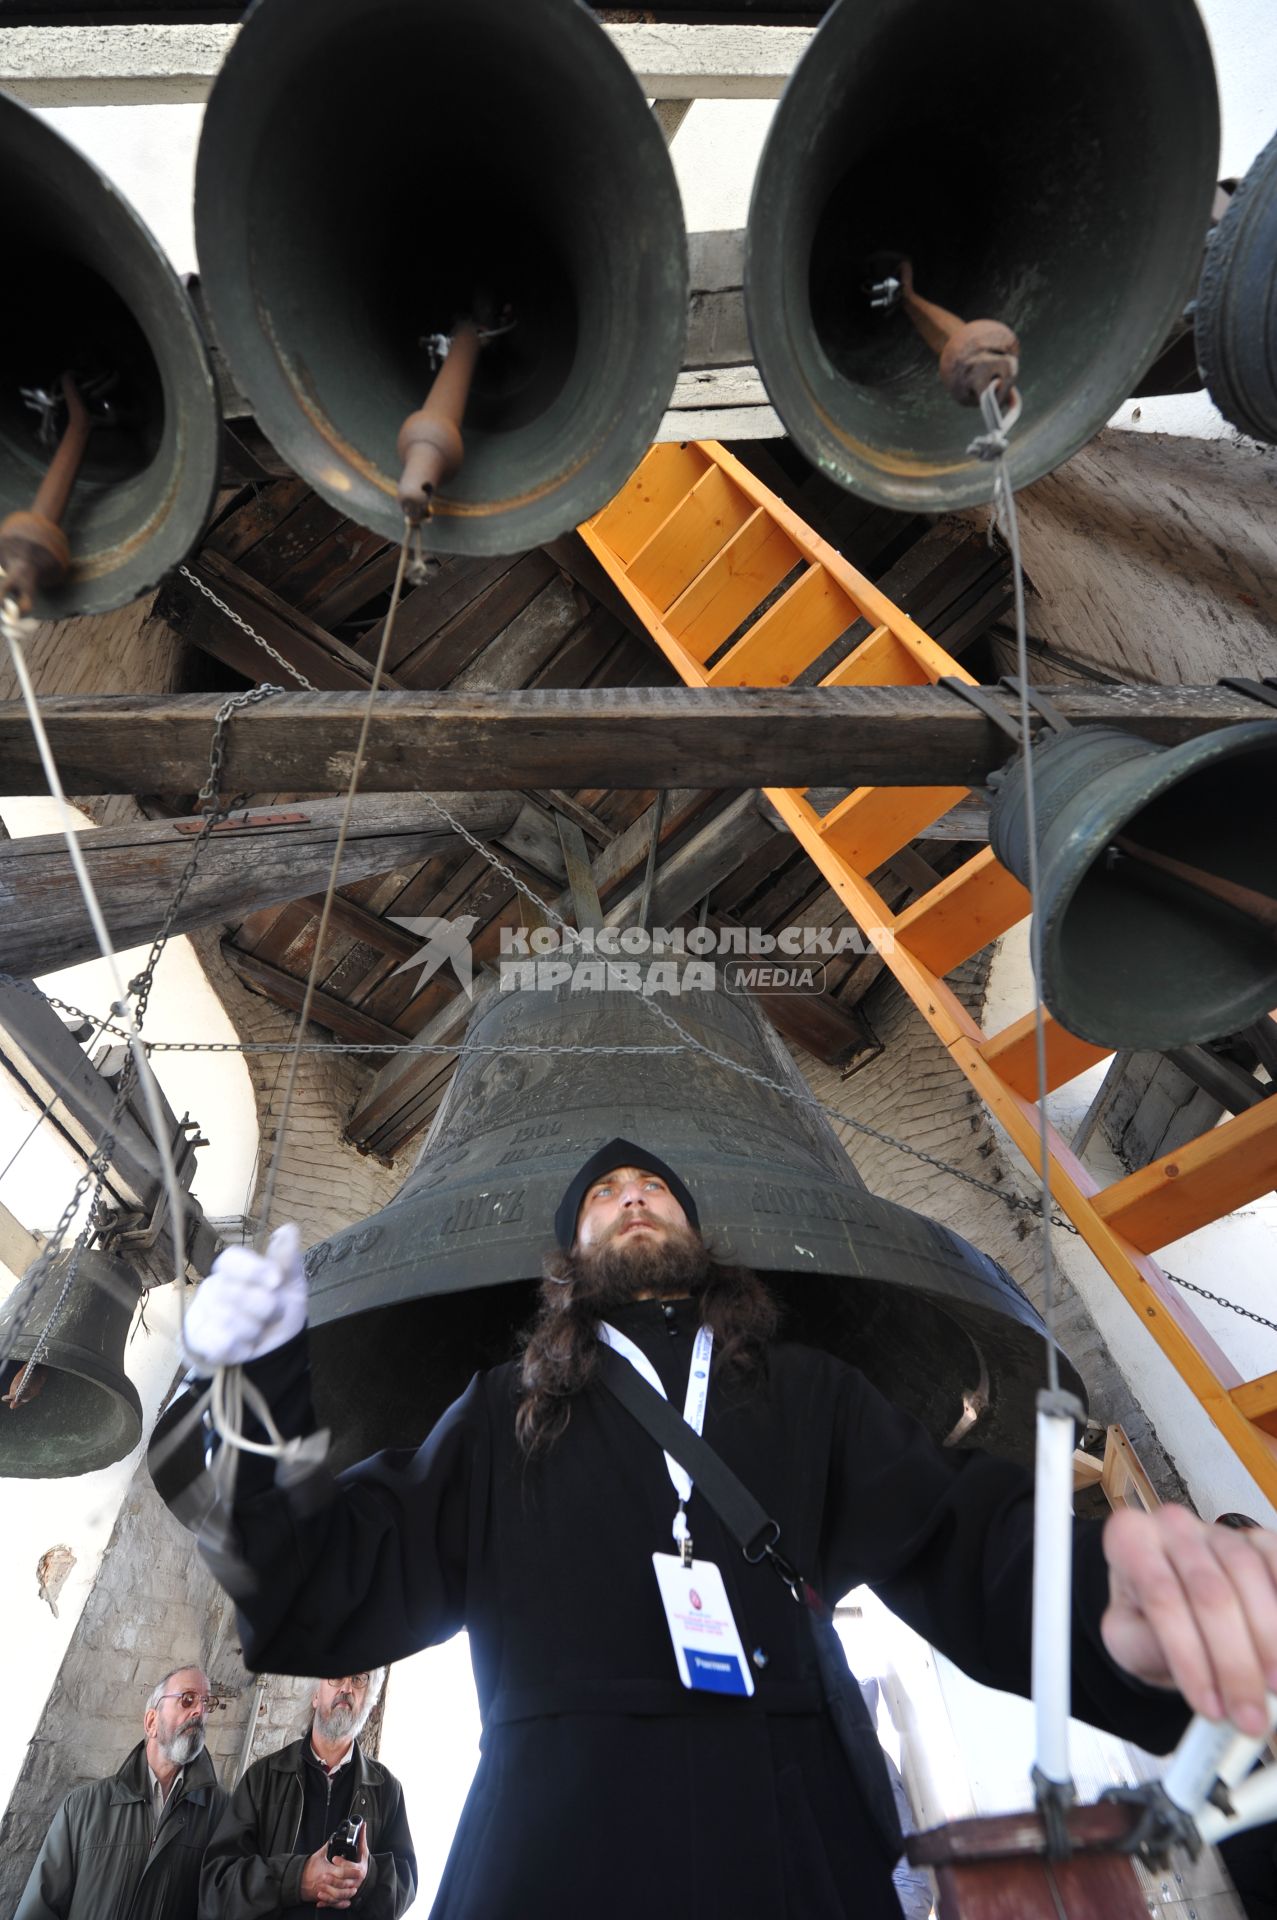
(184, 1746)
(343, 1723)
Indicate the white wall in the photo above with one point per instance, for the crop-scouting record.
(1234, 1257)
(79, 1513)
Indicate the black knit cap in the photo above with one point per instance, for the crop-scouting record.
(617, 1153)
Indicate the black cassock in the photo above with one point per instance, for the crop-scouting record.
(604, 1787)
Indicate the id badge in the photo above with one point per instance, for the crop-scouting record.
(698, 1613)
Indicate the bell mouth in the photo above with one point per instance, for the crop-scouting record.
(79, 1420)
(382, 1378)
(100, 300)
(1137, 957)
(496, 162)
(1075, 211)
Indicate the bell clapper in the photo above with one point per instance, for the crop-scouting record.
(972, 353)
(34, 552)
(25, 1385)
(1255, 905)
(430, 444)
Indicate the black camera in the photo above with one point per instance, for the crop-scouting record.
(344, 1844)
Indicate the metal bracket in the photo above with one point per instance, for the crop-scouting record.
(1161, 1824)
(1045, 708)
(1053, 1798)
(981, 698)
(984, 700)
(186, 1139)
(1265, 690)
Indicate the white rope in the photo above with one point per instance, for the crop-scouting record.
(123, 1010)
(122, 1007)
(1053, 1477)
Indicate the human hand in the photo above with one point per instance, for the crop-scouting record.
(334, 1883)
(250, 1304)
(1195, 1607)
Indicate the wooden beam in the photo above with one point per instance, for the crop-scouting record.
(19, 1247)
(405, 1080)
(34, 1035)
(576, 858)
(323, 659)
(597, 737)
(1013, 1052)
(687, 876)
(347, 1023)
(1257, 1400)
(258, 858)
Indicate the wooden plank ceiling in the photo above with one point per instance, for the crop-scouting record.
(316, 587)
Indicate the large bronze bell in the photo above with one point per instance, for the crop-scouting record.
(1157, 877)
(406, 1305)
(1048, 166)
(372, 175)
(79, 1410)
(88, 291)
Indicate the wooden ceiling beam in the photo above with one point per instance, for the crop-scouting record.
(346, 1023)
(259, 858)
(323, 659)
(607, 737)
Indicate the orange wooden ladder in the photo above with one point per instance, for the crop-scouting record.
(699, 547)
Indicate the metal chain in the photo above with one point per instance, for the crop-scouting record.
(688, 1042)
(1018, 1202)
(252, 632)
(208, 798)
(98, 1163)
(1218, 1300)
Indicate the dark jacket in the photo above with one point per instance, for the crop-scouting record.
(250, 1867)
(604, 1786)
(103, 1858)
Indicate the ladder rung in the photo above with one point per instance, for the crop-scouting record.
(685, 543)
(1013, 1052)
(874, 822)
(881, 660)
(1257, 1400)
(1202, 1181)
(794, 631)
(649, 496)
(968, 909)
(738, 579)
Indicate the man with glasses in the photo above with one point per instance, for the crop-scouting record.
(132, 1844)
(270, 1854)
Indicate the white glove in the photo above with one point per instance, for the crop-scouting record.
(250, 1304)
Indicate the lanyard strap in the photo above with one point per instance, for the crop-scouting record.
(693, 1405)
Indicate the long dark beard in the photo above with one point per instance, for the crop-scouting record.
(560, 1349)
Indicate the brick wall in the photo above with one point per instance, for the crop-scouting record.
(154, 1606)
(323, 1183)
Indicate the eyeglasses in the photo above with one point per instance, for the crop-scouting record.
(357, 1680)
(188, 1700)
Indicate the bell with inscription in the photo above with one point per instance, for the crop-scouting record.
(408, 1304)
